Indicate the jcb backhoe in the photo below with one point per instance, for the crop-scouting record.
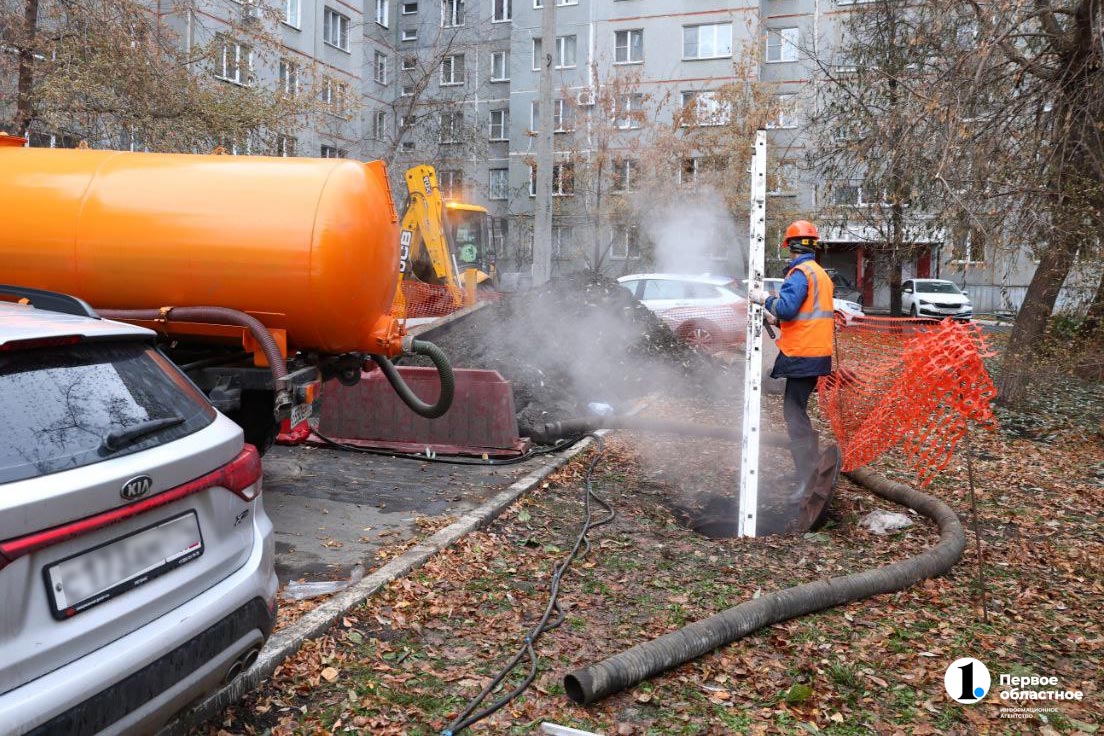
(439, 243)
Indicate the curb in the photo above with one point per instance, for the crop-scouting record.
(287, 642)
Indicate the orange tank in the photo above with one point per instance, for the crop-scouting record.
(309, 246)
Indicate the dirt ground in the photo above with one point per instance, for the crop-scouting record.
(409, 659)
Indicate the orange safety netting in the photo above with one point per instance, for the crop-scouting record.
(419, 300)
(909, 382)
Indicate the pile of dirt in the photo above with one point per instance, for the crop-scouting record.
(576, 340)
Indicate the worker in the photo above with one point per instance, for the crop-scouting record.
(803, 308)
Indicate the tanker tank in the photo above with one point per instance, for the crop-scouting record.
(309, 246)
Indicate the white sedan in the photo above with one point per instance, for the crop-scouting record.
(935, 298)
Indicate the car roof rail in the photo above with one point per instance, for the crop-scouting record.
(50, 300)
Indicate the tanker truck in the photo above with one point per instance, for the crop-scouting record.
(263, 276)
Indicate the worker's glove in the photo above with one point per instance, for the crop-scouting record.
(769, 318)
(758, 296)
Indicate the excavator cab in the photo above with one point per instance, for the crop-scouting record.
(469, 232)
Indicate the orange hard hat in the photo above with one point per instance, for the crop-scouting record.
(801, 229)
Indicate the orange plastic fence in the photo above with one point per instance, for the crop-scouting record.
(418, 300)
(909, 382)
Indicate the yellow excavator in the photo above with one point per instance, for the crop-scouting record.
(441, 243)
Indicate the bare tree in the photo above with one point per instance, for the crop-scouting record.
(113, 72)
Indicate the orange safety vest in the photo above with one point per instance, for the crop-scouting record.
(809, 335)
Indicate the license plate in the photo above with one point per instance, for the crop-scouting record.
(87, 579)
(300, 413)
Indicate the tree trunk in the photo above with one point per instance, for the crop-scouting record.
(24, 101)
(1031, 322)
(895, 283)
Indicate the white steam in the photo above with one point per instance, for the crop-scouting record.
(694, 233)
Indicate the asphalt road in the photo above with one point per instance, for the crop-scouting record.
(332, 508)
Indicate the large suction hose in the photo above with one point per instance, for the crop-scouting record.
(444, 373)
(645, 660)
(552, 431)
(221, 316)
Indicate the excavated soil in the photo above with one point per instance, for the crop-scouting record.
(578, 340)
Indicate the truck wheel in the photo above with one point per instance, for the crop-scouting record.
(256, 420)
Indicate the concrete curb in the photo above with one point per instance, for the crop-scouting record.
(286, 642)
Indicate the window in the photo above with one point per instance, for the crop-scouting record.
(562, 242)
(565, 53)
(502, 10)
(407, 90)
(410, 34)
(499, 187)
(628, 46)
(969, 244)
(335, 29)
(626, 244)
(285, 146)
(409, 63)
(625, 173)
(381, 68)
(630, 109)
(710, 41)
(688, 172)
(451, 124)
(408, 145)
(785, 117)
(451, 183)
(293, 13)
(234, 62)
(335, 96)
(289, 78)
(563, 116)
(701, 107)
(452, 70)
(333, 152)
(563, 179)
(854, 193)
(382, 8)
(782, 44)
(409, 8)
(500, 66)
(452, 13)
(500, 124)
(379, 125)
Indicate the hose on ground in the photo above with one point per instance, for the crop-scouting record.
(444, 374)
(551, 431)
(552, 617)
(222, 316)
(643, 661)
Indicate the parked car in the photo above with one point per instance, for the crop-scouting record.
(847, 309)
(705, 311)
(935, 298)
(136, 558)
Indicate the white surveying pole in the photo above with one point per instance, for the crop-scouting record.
(753, 349)
(542, 206)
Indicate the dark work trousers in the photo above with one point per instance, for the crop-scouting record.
(795, 408)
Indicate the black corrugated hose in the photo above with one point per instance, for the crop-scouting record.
(444, 373)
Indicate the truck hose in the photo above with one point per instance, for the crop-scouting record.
(222, 316)
(547, 433)
(444, 374)
(643, 661)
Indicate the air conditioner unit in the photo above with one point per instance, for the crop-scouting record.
(585, 98)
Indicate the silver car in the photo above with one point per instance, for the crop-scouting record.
(136, 559)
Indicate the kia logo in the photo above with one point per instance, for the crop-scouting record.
(136, 487)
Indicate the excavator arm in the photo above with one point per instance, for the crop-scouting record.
(425, 251)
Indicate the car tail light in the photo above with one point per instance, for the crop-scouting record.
(240, 476)
(40, 342)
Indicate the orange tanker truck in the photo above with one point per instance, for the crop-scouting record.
(264, 276)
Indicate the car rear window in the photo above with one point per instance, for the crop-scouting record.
(59, 404)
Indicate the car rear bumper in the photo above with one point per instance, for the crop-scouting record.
(137, 683)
